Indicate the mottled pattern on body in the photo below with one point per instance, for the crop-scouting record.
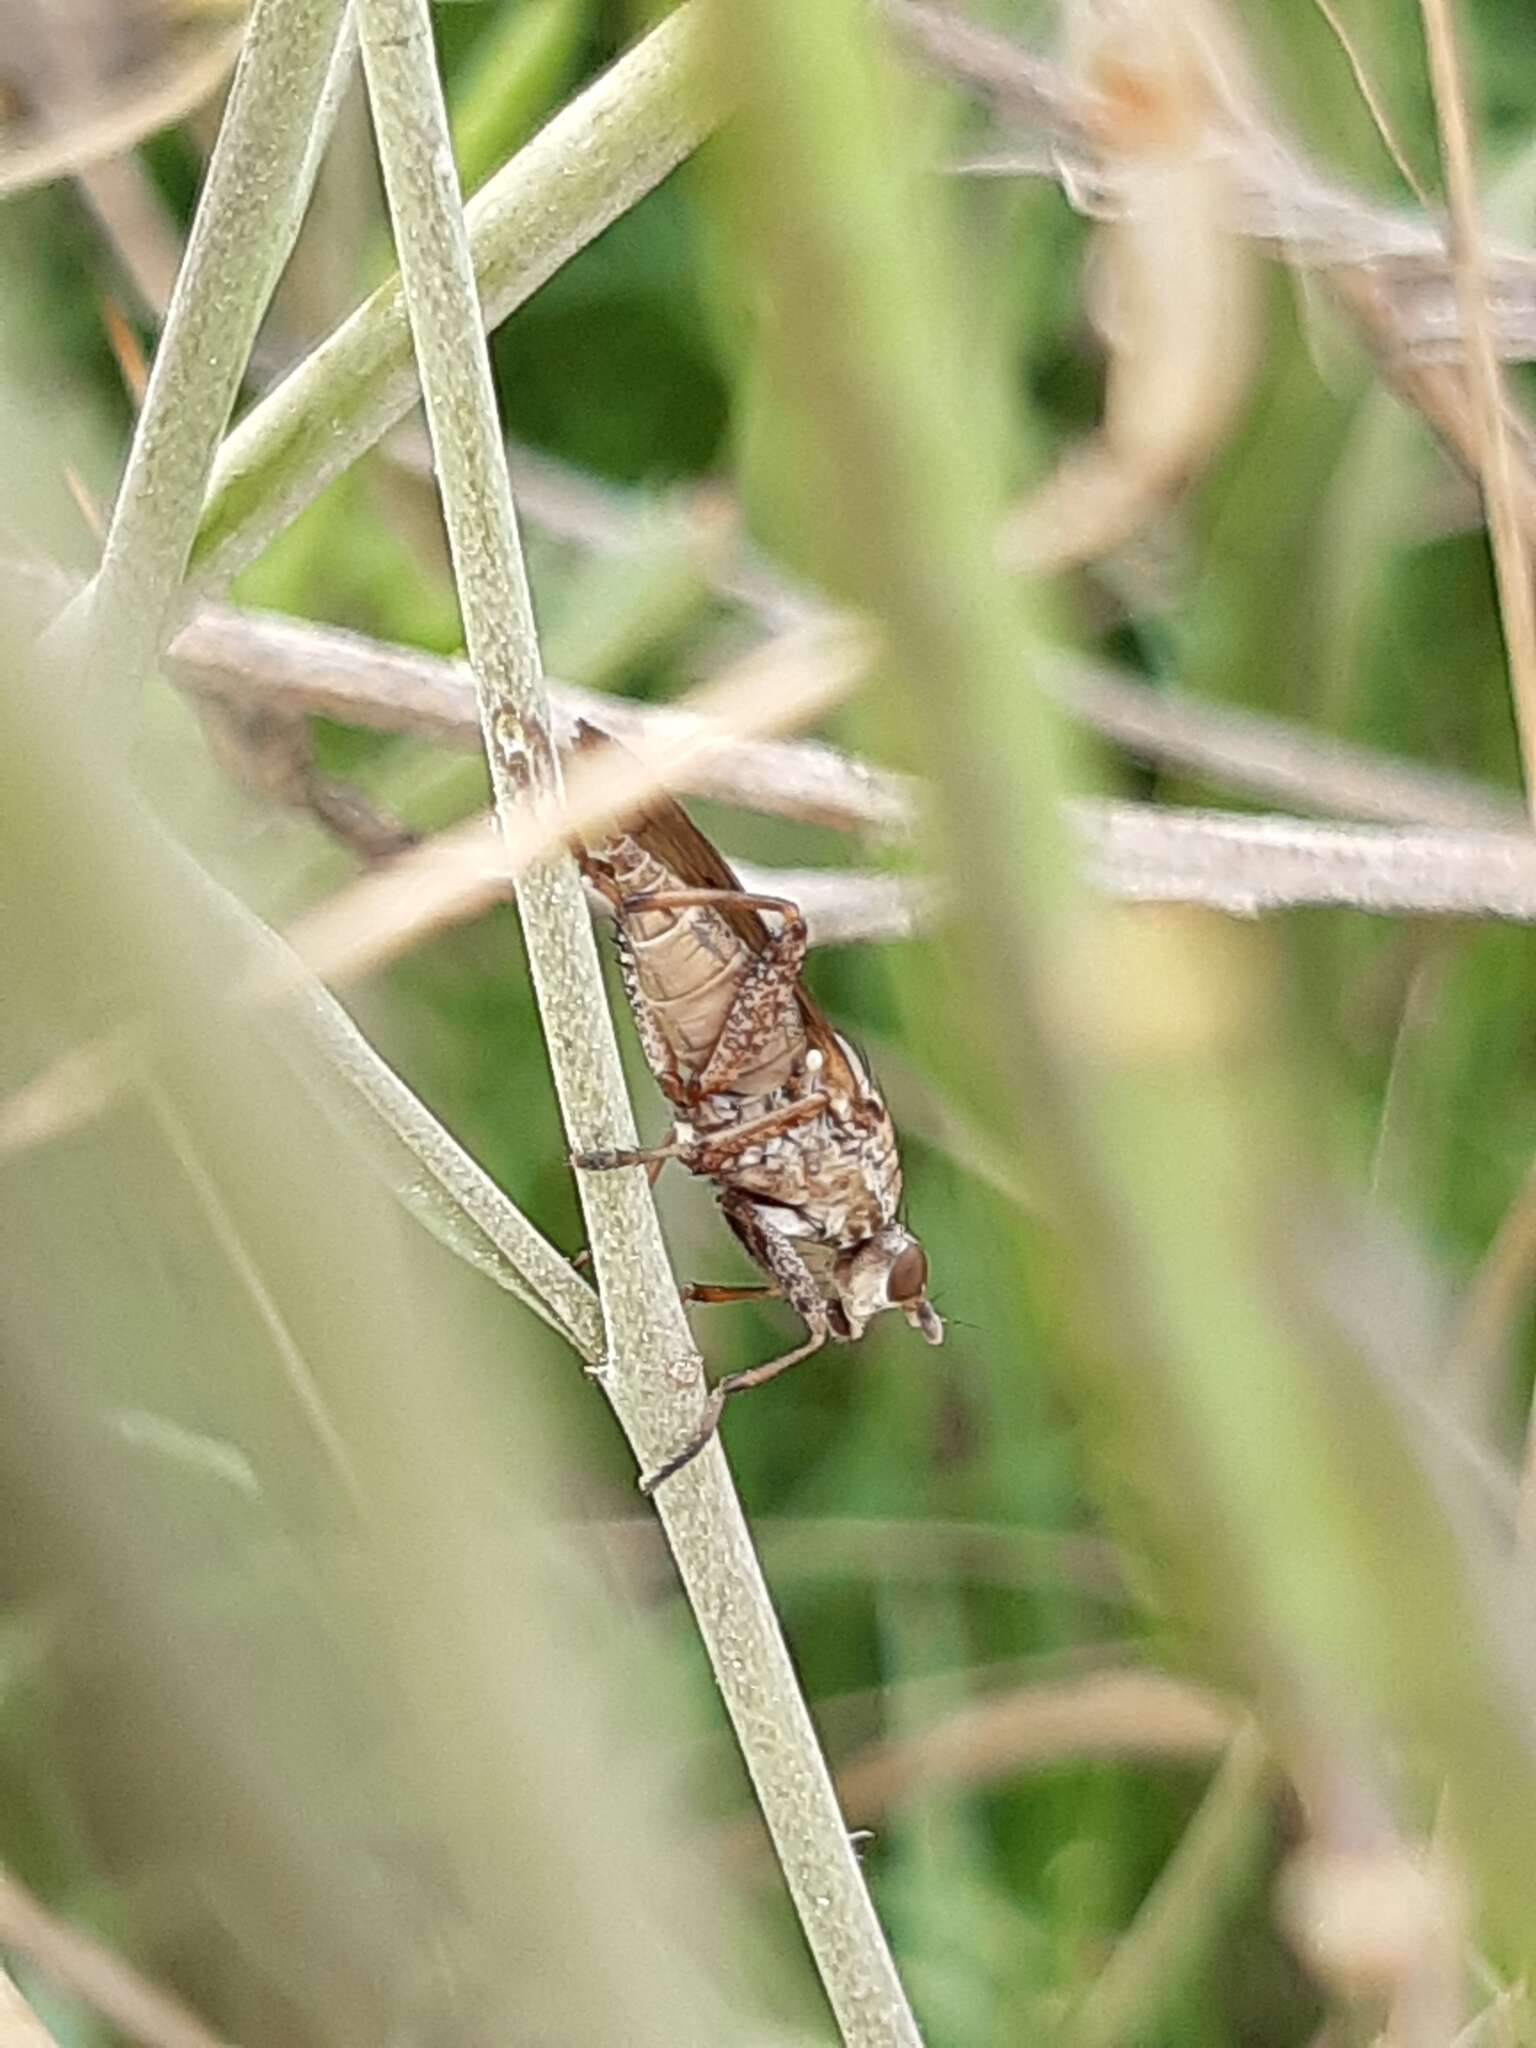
(838, 1172)
(769, 1102)
(683, 970)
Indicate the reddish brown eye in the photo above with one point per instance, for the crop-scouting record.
(908, 1275)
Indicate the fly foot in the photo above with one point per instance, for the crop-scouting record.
(709, 1422)
(602, 1161)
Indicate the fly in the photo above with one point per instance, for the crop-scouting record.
(768, 1101)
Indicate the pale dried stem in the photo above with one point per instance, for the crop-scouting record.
(1249, 866)
(461, 870)
(1508, 536)
(1244, 866)
(1374, 104)
(20, 2026)
(1139, 853)
(1497, 463)
(1106, 1714)
(652, 1369)
(264, 661)
(458, 875)
(104, 126)
(1280, 199)
(1438, 391)
(137, 223)
(80, 1965)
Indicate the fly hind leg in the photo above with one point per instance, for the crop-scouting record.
(790, 1277)
(735, 1383)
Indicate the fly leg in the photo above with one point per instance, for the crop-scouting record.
(734, 1383)
(699, 1153)
(652, 1157)
(790, 1277)
(703, 1291)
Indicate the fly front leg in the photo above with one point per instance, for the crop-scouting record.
(790, 1277)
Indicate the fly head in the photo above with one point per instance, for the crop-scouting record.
(888, 1270)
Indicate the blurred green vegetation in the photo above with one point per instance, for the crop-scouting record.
(1305, 577)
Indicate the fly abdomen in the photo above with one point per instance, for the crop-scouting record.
(685, 965)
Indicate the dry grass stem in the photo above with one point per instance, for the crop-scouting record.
(1280, 199)
(1497, 464)
(1439, 392)
(137, 223)
(1249, 866)
(1104, 1715)
(456, 873)
(1139, 853)
(109, 121)
(102, 1981)
(1178, 315)
(1374, 105)
(330, 673)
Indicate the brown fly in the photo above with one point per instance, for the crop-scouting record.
(768, 1101)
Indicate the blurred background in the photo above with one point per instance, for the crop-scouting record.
(344, 1683)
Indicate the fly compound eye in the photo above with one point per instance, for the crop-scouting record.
(908, 1275)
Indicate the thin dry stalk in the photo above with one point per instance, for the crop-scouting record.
(1374, 105)
(1438, 391)
(133, 216)
(460, 874)
(457, 873)
(252, 657)
(1497, 462)
(80, 1965)
(1106, 1714)
(1252, 866)
(20, 2026)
